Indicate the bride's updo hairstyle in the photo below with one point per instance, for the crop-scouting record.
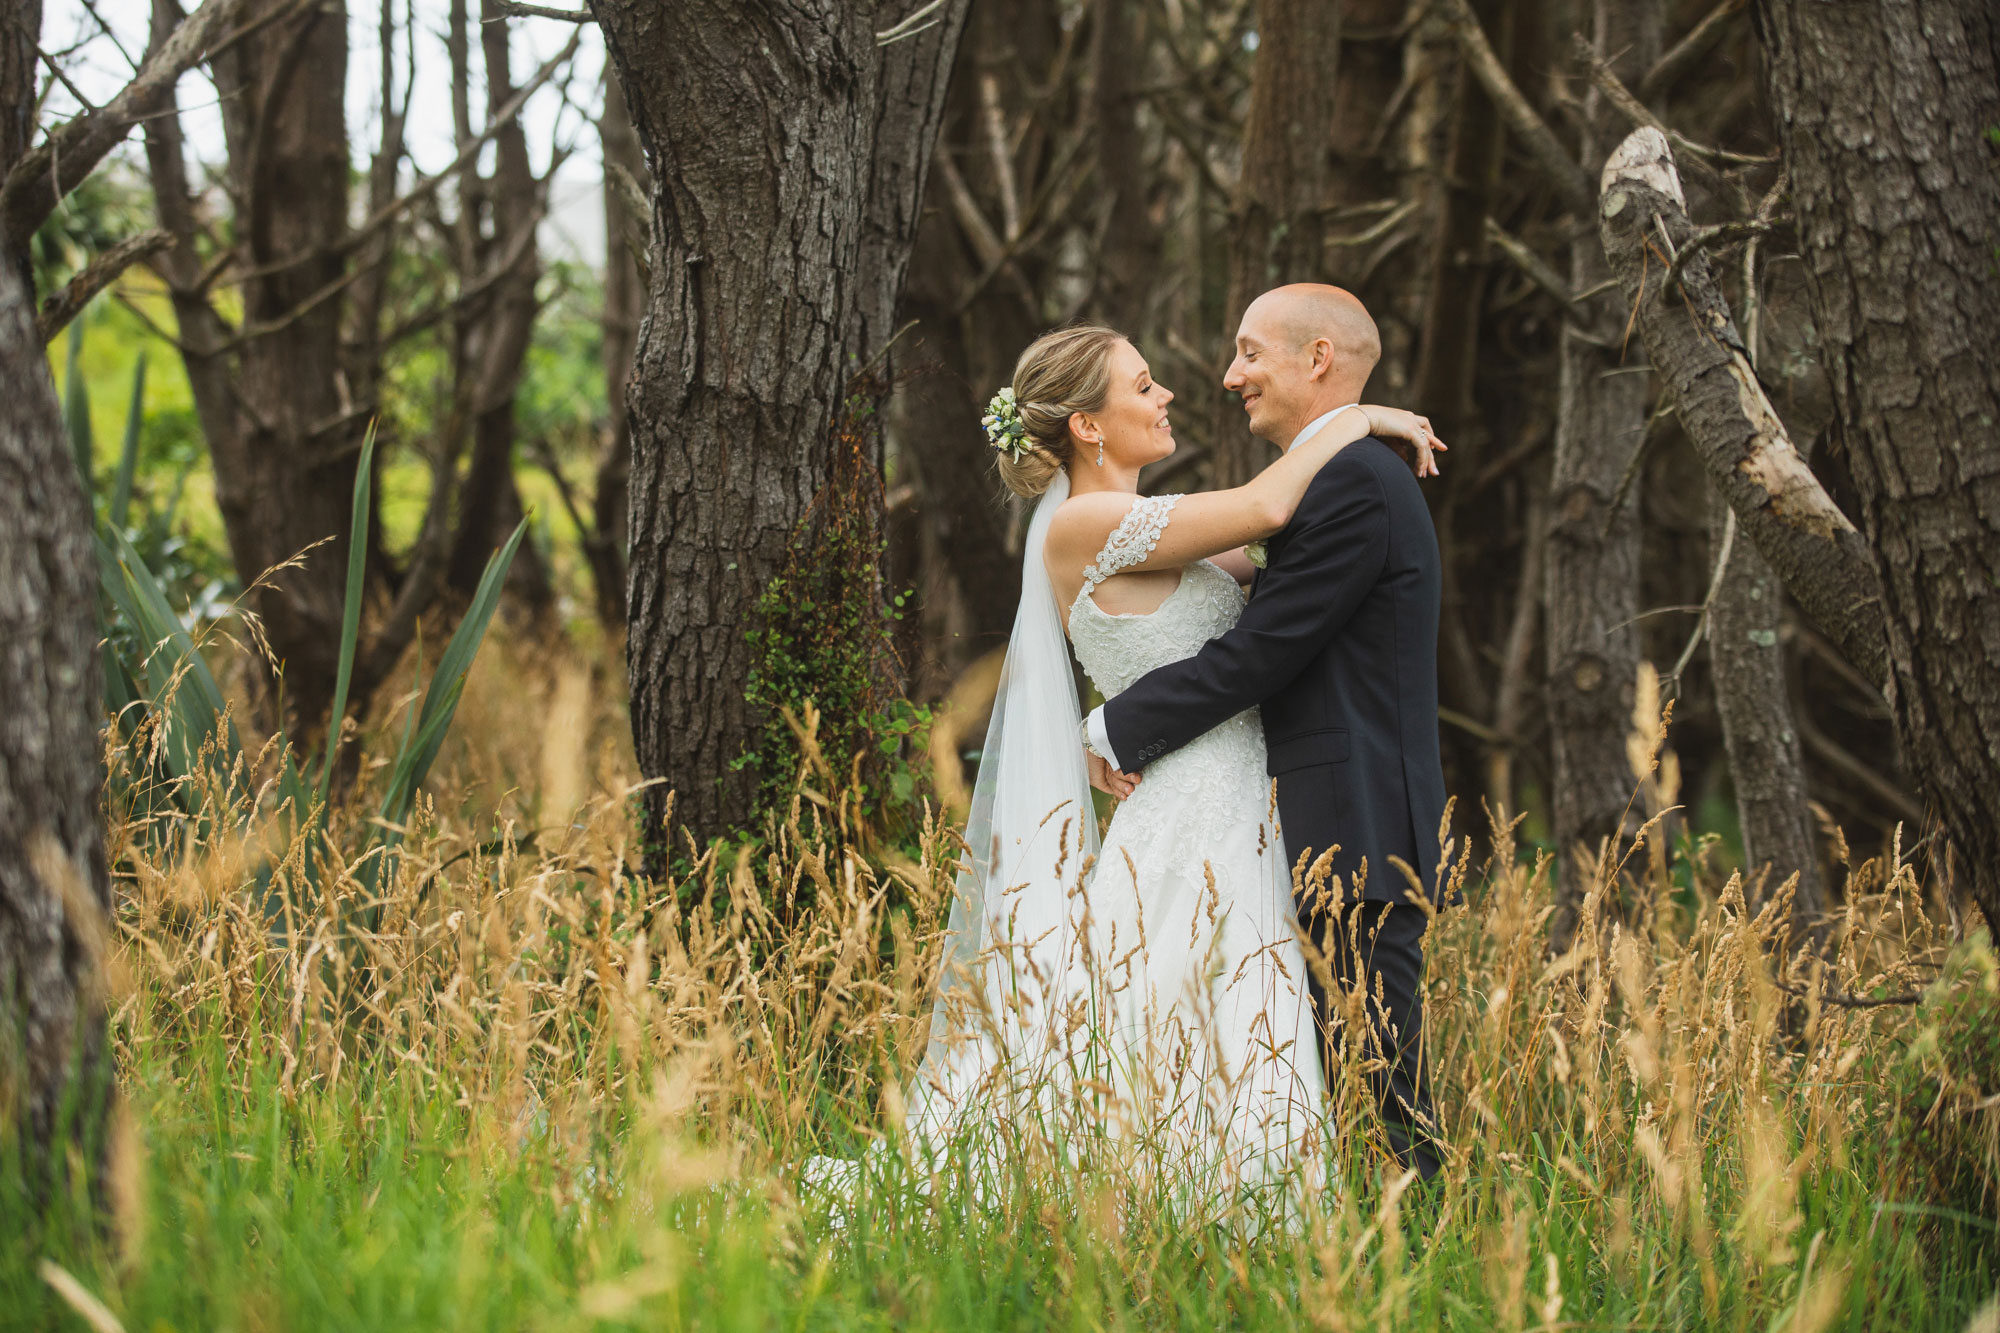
(1061, 373)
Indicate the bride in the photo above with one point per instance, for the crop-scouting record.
(1149, 995)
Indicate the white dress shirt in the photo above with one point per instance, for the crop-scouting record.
(1099, 738)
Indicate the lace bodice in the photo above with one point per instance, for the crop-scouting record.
(1192, 797)
(1118, 649)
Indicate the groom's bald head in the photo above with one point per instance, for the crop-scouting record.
(1301, 350)
(1309, 311)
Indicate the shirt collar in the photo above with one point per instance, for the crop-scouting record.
(1313, 427)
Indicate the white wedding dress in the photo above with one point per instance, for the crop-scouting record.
(1139, 1010)
(1216, 1023)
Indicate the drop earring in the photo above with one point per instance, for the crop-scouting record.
(1100, 451)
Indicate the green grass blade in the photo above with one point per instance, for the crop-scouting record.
(406, 779)
(442, 697)
(76, 407)
(350, 616)
(128, 454)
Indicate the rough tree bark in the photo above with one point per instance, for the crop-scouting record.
(1593, 554)
(1766, 758)
(55, 1075)
(1278, 221)
(1786, 526)
(19, 45)
(624, 296)
(1882, 112)
(1692, 341)
(789, 151)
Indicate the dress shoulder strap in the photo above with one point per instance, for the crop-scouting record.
(1133, 539)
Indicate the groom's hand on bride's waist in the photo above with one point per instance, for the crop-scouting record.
(1108, 779)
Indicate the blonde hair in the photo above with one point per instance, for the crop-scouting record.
(1063, 372)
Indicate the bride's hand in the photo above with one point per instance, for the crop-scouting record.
(1409, 434)
(1108, 779)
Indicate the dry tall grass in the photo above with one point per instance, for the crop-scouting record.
(1672, 1120)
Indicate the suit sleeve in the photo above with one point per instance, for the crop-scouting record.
(1330, 558)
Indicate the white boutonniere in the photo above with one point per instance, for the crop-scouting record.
(1257, 553)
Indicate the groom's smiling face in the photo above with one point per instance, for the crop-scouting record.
(1272, 374)
(1301, 350)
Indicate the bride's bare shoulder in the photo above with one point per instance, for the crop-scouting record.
(1083, 523)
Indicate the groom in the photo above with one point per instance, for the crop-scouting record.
(1338, 649)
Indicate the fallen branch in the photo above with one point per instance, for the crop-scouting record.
(1621, 98)
(1691, 339)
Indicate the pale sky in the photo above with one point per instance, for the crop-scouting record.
(575, 225)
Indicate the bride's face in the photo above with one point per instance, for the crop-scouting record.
(1133, 422)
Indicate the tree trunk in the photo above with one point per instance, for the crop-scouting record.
(20, 41)
(968, 334)
(1442, 386)
(1896, 192)
(1593, 552)
(1766, 762)
(623, 300)
(270, 395)
(1129, 258)
(500, 326)
(55, 1068)
(1277, 227)
(790, 151)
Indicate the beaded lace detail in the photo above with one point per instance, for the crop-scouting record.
(1133, 539)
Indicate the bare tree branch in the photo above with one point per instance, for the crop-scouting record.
(467, 156)
(1533, 266)
(61, 307)
(1571, 181)
(510, 9)
(72, 151)
(1688, 52)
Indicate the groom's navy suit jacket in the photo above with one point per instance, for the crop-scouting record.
(1338, 647)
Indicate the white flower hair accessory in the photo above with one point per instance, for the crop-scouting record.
(1005, 430)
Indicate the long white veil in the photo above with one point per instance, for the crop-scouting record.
(1030, 833)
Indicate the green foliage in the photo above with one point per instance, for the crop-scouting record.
(824, 640)
(107, 206)
(1942, 1091)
